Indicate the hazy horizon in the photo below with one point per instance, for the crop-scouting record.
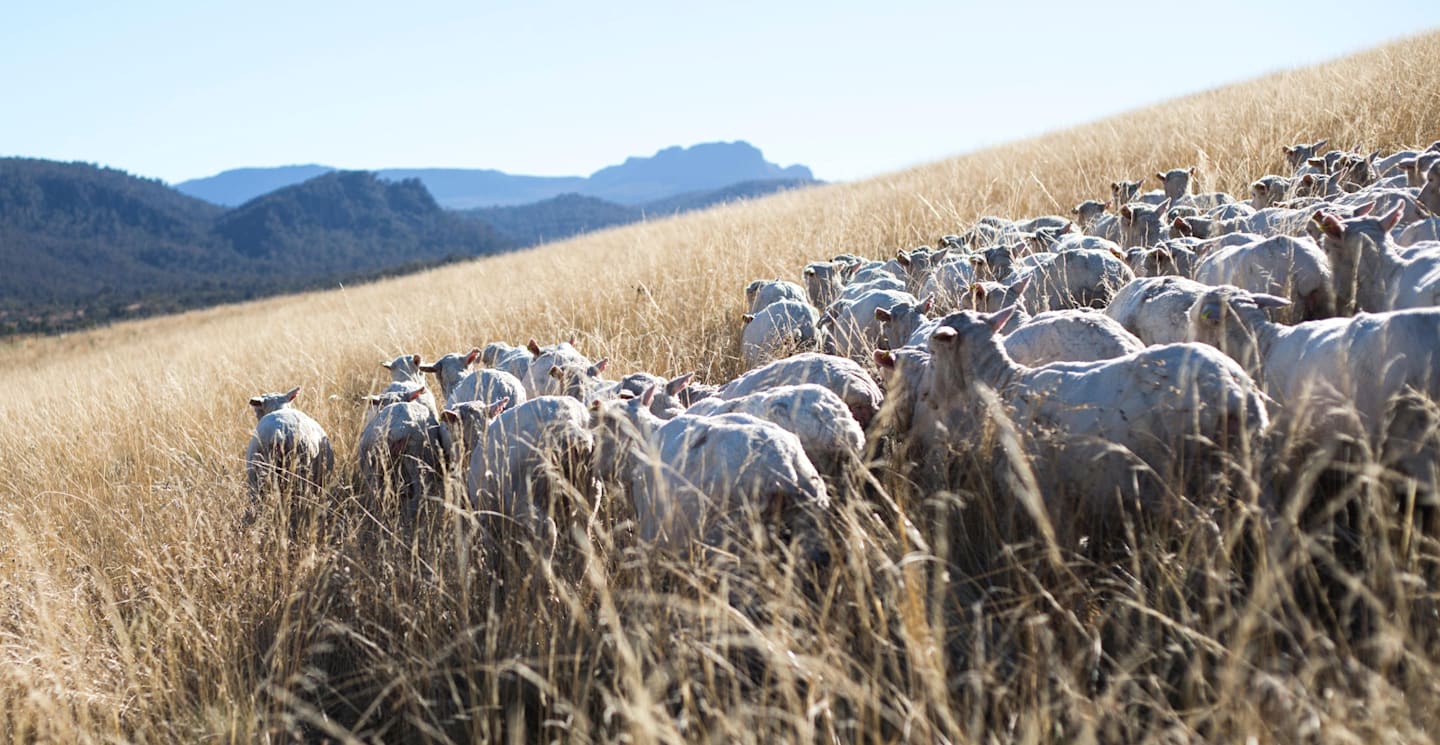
(176, 92)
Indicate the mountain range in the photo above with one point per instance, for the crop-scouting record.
(82, 244)
(668, 173)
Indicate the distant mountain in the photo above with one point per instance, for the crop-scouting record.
(81, 244)
(572, 214)
(233, 188)
(670, 172)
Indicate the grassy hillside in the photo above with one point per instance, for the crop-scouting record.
(137, 604)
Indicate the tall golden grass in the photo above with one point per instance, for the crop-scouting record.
(137, 603)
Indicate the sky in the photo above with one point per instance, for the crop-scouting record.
(180, 90)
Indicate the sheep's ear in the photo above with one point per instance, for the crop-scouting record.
(1192, 170)
(849, 270)
(257, 402)
(903, 258)
(1363, 210)
(533, 347)
(1316, 162)
(1024, 284)
(1114, 186)
(747, 317)
(648, 397)
(599, 367)
(450, 416)
(940, 255)
(1160, 176)
(292, 394)
(1288, 149)
(1117, 253)
(1391, 219)
(1320, 144)
(1332, 226)
(977, 290)
(884, 359)
(474, 355)
(944, 335)
(926, 304)
(571, 340)
(1127, 213)
(427, 368)
(556, 372)
(595, 405)
(1074, 210)
(417, 393)
(498, 407)
(415, 359)
(883, 314)
(623, 396)
(809, 271)
(1182, 225)
(386, 364)
(1000, 317)
(1268, 301)
(678, 384)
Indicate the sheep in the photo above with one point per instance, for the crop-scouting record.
(898, 322)
(1176, 183)
(1128, 192)
(1295, 268)
(691, 477)
(404, 452)
(1103, 433)
(779, 329)
(1087, 213)
(1068, 336)
(1268, 190)
(671, 397)
(1078, 278)
(506, 358)
(526, 459)
(851, 329)
(919, 264)
(584, 384)
(843, 376)
(289, 451)
(1297, 155)
(458, 383)
(1429, 195)
(1142, 225)
(1170, 258)
(1155, 309)
(1424, 231)
(471, 418)
(824, 280)
(827, 430)
(1416, 169)
(1371, 273)
(1339, 376)
(405, 377)
(761, 293)
(948, 282)
(538, 381)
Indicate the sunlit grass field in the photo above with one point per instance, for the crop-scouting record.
(142, 601)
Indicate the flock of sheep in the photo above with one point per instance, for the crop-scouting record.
(1146, 351)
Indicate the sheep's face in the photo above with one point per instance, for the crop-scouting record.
(1296, 155)
(617, 426)
(994, 263)
(1175, 182)
(269, 402)
(402, 368)
(1123, 192)
(1229, 319)
(472, 418)
(1088, 211)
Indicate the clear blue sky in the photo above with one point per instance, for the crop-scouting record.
(178, 90)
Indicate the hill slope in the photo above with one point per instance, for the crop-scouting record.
(148, 600)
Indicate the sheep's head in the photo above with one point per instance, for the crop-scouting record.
(472, 418)
(405, 367)
(1231, 319)
(1296, 155)
(268, 402)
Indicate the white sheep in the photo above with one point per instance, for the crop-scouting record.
(1176, 184)
(1335, 376)
(948, 282)
(1068, 336)
(404, 452)
(777, 330)
(506, 358)
(824, 280)
(1293, 268)
(585, 384)
(827, 430)
(763, 292)
(405, 377)
(671, 397)
(458, 383)
(851, 329)
(538, 380)
(527, 459)
(471, 418)
(845, 377)
(1155, 309)
(289, 451)
(1101, 433)
(1371, 272)
(695, 478)
(1076, 279)
(1423, 231)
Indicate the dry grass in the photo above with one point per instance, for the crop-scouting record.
(136, 605)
